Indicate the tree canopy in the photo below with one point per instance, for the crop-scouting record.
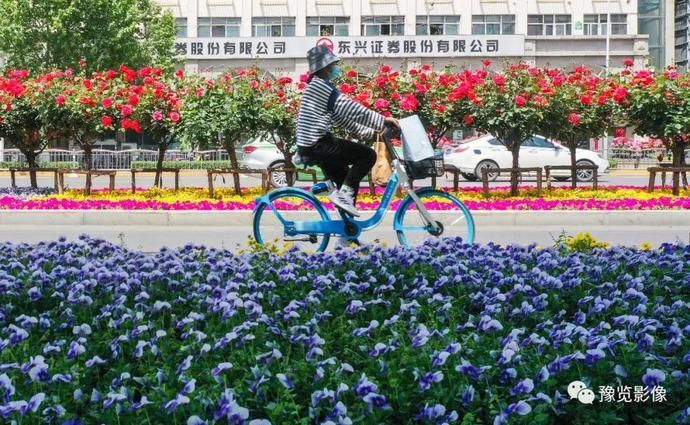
(98, 34)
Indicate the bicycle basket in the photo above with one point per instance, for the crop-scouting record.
(425, 168)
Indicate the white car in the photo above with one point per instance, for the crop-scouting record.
(262, 155)
(487, 152)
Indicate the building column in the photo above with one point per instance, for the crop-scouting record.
(578, 15)
(466, 19)
(356, 18)
(246, 12)
(669, 32)
(410, 14)
(521, 20)
(301, 19)
(192, 22)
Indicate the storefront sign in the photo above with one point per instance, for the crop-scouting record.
(352, 47)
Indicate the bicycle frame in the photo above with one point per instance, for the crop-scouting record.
(338, 227)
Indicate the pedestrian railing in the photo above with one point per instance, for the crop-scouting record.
(122, 160)
(638, 158)
(103, 159)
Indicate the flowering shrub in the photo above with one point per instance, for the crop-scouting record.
(512, 104)
(605, 198)
(658, 107)
(591, 101)
(444, 333)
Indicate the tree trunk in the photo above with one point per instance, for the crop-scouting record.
(88, 165)
(162, 147)
(684, 164)
(573, 162)
(515, 150)
(434, 144)
(291, 177)
(31, 161)
(230, 148)
(678, 153)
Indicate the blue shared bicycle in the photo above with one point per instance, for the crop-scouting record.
(295, 217)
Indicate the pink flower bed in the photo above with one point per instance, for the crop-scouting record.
(490, 205)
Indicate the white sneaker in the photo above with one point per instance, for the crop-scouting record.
(344, 201)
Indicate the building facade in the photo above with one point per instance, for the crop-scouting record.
(215, 35)
(682, 30)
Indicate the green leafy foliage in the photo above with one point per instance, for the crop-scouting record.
(58, 34)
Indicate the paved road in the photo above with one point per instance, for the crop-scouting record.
(152, 238)
(197, 179)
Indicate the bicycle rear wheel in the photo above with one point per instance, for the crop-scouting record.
(453, 216)
(289, 205)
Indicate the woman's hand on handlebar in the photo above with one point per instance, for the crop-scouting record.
(392, 122)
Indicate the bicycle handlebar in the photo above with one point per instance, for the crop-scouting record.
(387, 134)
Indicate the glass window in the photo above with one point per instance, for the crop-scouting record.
(650, 7)
(651, 21)
(540, 142)
(273, 27)
(549, 25)
(181, 26)
(493, 24)
(597, 24)
(326, 26)
(218, 27)
(383, 25)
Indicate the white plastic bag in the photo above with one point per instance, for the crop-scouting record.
(416, 143)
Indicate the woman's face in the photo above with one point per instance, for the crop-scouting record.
(333, 70)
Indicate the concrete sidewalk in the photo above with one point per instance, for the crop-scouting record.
(244, 218)
(153, 238)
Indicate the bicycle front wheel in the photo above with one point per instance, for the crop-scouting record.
(290, 205)
(453, 217)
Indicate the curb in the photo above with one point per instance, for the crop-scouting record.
(244, 218)
(637, 172)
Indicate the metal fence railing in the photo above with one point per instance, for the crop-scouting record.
(114, 160)
(642, 158)
(122, 160)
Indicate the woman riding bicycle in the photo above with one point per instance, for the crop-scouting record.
(343, 161)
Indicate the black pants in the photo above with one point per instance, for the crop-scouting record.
(335, 156)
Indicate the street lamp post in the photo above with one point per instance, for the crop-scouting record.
(608, 53)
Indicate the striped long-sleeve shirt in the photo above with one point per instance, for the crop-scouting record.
(314, 120)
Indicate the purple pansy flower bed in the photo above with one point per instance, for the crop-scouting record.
(26, 192)
(439, 334)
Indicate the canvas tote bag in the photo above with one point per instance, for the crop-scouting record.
(382, 170)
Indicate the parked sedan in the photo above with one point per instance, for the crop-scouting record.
(262, 155)
(488, 152)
